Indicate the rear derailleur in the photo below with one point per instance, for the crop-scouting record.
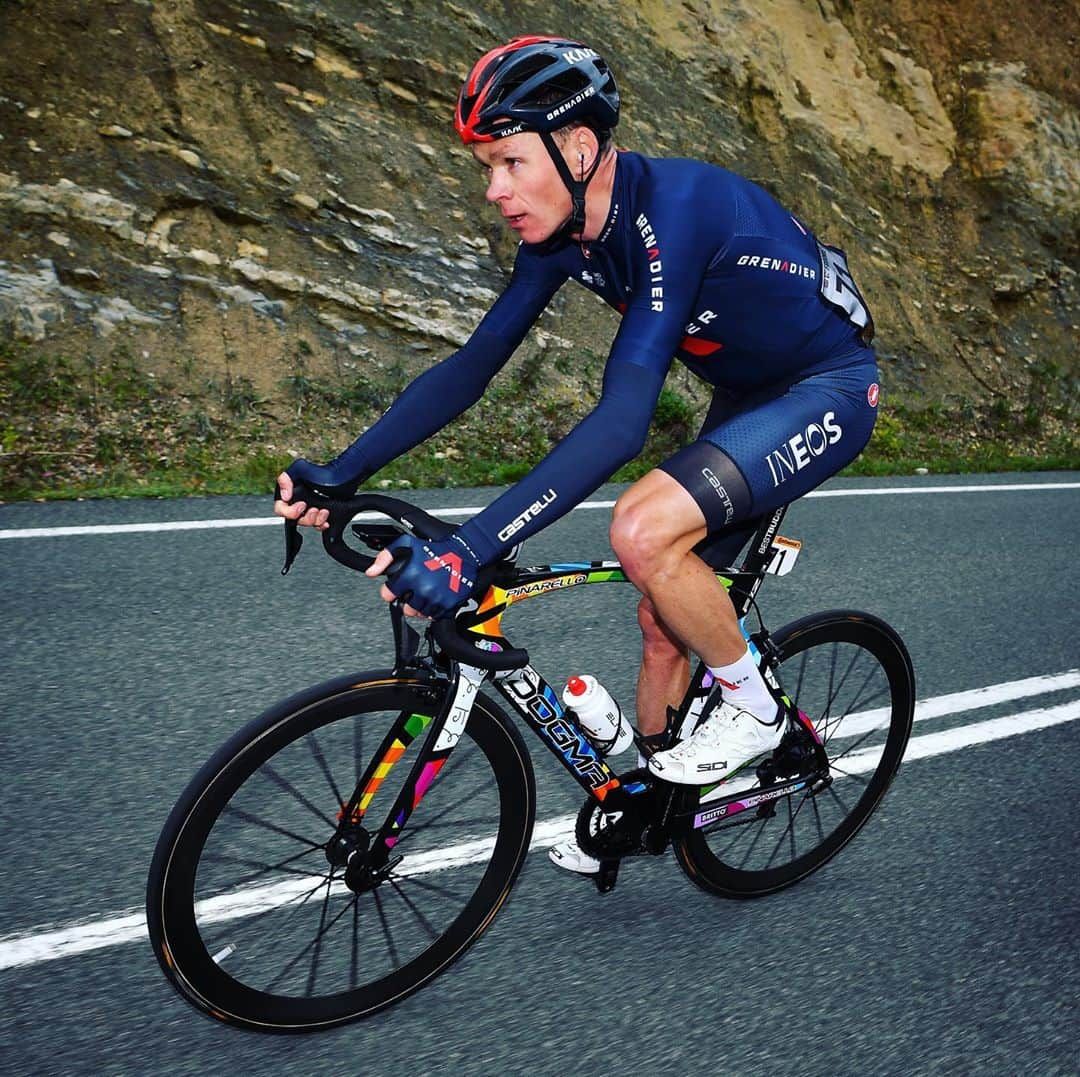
(797, 756)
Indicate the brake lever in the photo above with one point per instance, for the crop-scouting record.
(406, 638)
(293, 539)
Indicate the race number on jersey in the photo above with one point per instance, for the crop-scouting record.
(839, 291)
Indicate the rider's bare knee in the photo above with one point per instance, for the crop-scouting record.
(634, 536)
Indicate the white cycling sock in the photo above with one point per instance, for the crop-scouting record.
(744, 686)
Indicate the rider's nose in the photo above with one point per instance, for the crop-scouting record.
(497, 189)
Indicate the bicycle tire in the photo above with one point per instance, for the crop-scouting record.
(218, 940)
(828, 664)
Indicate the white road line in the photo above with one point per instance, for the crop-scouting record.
(472, 510)
(32, 947)
(859, 722)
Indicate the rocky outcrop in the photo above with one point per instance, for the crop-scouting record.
(205, 179)
(812, 70)
(1024, 142)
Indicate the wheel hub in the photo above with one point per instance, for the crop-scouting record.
(362, 874)
(796, 756)
(341, 847)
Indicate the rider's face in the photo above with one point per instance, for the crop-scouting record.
(523, 183)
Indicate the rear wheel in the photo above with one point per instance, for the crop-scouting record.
(850, 676)
(250, 911)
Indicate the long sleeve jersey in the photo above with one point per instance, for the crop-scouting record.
(705, 267)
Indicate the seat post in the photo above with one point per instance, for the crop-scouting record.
(757, 559)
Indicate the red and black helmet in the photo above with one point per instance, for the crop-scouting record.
(536, 84)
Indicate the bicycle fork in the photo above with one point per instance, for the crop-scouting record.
(370, 858)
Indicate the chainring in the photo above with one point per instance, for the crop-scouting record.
(611, 835)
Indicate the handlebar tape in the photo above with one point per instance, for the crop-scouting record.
(417, 522)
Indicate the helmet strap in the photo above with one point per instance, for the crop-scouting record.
(576, 221)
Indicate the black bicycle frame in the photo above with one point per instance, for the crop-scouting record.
(530, 695)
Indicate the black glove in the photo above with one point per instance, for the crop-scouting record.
(438, 576)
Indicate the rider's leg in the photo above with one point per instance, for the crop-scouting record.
(665, 669)
(779, 446)
(665, 659)
(654, 529)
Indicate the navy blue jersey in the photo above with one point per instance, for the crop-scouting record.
(705, 267)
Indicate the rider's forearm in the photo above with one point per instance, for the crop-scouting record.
(430, 401)
(442, 393)
(438, 396)
(610, 436)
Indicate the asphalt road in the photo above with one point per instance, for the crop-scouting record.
(943, 940)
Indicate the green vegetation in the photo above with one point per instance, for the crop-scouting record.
(109, 427)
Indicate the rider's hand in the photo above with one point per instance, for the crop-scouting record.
(298, 511)
(438, 576)
(383, 560)
(338, 479)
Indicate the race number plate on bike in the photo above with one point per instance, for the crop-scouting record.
(785, 551)
(839, 291)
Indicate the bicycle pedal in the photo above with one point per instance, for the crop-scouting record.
(607, 876)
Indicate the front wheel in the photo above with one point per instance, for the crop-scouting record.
(254, 913)
(850, 678)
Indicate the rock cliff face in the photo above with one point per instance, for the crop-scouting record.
(269, 189)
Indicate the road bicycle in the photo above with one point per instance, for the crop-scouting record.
(346, 846)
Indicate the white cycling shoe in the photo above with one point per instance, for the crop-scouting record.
(569, 856)
(724, 742)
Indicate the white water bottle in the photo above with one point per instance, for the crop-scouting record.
(598, 714)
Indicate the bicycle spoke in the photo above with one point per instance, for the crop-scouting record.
(386, 930)
(317, 752)
(801, 675)
(484, 821)
(882, 693)
(227, 930)
(354, 950)
(413, 908)
(858, 695)
(788, 830)
(358, 749)
(723, 826)
(415, 880)
(313, 972)
(254, 820)
(758, 831)
(299, 797)
(829, 696)
(314, 942)
(839, 800)
(860, 778)
(834, 692)
(264, 869)
(412, 829)
(817, 819)
(848, 749)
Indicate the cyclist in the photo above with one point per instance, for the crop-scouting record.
(706, 267)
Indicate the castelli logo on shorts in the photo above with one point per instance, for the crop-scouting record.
(872, 395)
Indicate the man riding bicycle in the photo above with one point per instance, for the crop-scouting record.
(704, 266)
